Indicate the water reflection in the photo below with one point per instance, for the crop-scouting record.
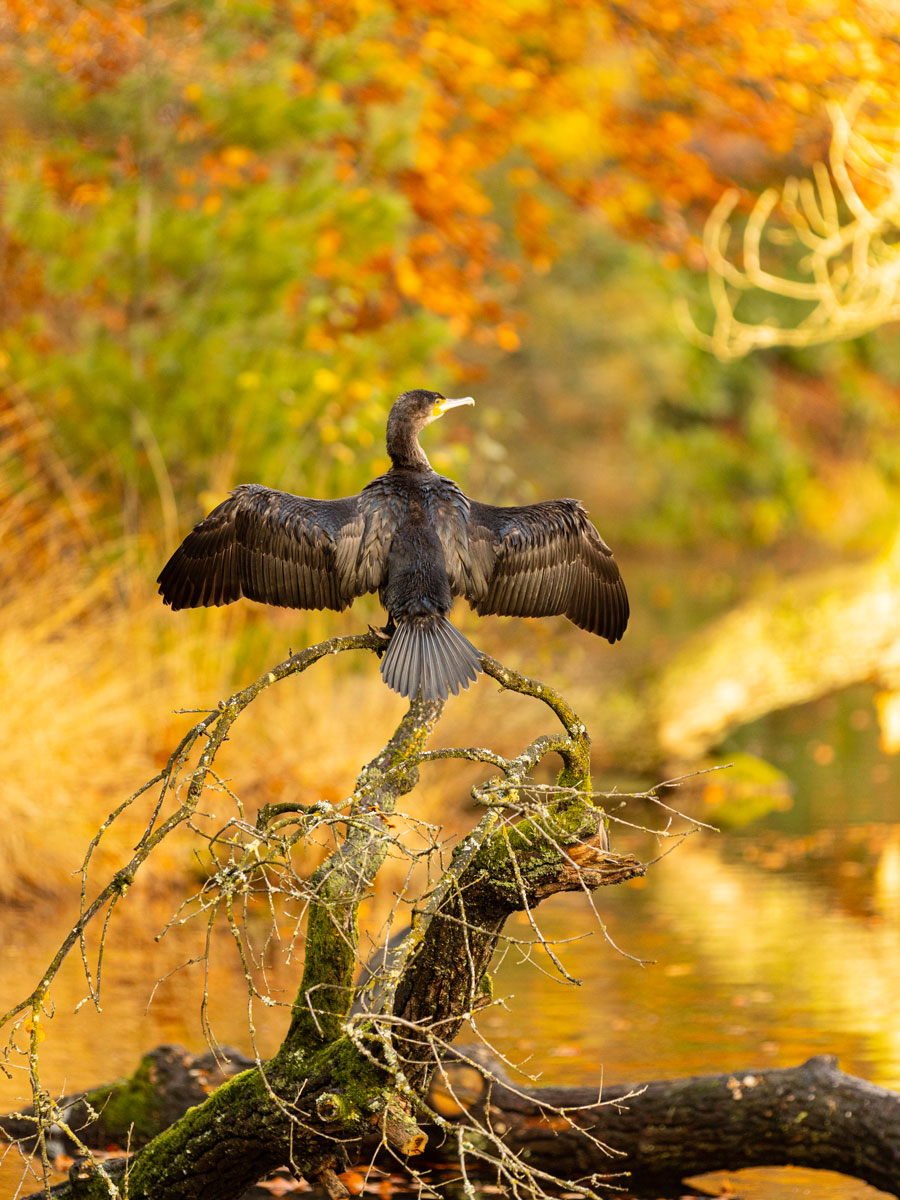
(742, 968)
(753, 948)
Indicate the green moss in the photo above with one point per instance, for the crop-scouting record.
(175, 1151)
(576, 772)
(357, 1089)
(360, 1080)
(571, 818)
(131, 1106)
(536, 843)
(88, 1183)
(327, 983)
(335, 1108)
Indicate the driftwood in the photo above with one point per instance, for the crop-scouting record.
(809, 636)
(131, 1112)
(645, 1138)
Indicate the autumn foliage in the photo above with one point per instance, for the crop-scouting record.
(263, 219)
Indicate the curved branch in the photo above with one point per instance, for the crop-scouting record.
(576, 750)
(215, 728)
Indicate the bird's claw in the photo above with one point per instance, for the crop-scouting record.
(385, 633)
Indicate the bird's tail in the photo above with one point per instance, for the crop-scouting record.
(428, 653)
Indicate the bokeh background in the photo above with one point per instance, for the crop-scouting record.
(231, 233)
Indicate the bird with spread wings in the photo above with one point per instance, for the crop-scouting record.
(415, 538)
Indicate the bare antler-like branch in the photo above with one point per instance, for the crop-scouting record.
(845, 224)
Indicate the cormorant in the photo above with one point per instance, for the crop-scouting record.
(418, 540)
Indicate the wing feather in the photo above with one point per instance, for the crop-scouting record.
(541, 559)
(279, 549)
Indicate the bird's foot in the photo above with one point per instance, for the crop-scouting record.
(384, 632)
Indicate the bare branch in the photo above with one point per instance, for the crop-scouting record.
(845, 224)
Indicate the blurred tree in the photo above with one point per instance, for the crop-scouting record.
(731, 92)
(232, 232)
(842, 225)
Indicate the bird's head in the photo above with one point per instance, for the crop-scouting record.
(412, 412)
(420, 408)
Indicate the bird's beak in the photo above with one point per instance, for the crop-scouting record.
(441, 406)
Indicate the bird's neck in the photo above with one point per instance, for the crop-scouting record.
(404, 449)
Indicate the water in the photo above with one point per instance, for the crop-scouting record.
(757, 947)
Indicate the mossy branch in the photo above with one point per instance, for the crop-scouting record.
(575, 748)
(326, 992)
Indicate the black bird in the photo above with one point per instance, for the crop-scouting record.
(418, 540)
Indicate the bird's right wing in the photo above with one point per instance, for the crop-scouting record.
(540, 559)
(276, 548)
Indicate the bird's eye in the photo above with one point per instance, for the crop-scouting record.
(437, 409)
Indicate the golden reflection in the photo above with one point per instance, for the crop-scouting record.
(886, 885)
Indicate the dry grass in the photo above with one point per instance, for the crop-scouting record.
(92, 673)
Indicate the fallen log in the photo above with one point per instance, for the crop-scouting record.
(651, 1136)
(646, 1138)
(131, 1112)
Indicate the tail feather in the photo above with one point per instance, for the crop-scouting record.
(459, 669)
(462, 662)
(429, 654)
(401, 662)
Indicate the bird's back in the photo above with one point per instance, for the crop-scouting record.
(427, 527)
(425, 653)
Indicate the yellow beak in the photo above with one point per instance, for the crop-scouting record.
(441, 406)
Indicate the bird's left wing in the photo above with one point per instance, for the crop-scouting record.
(540, 559)
(279, 549)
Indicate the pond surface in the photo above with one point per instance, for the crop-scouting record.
(755, 947)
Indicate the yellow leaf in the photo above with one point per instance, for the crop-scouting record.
(326, 381)
(409, 281)
(507, 337)
(236, 156)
